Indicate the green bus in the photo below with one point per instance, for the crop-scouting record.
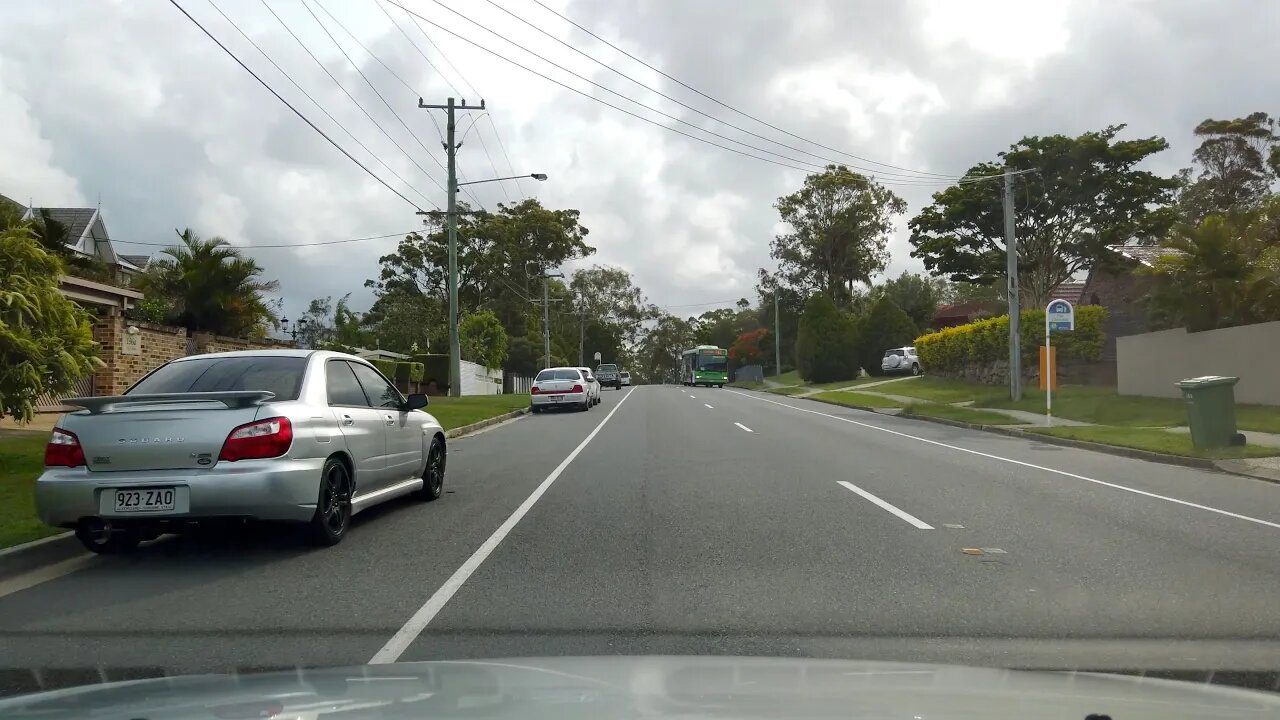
(705, 365)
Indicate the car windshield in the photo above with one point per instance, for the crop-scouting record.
(402, 220)
(563, 374)
(280, 375)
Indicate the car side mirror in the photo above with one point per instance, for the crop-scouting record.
(415, 401)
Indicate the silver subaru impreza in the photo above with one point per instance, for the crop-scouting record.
(301, 436)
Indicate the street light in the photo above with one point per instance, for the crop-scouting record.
(451, 228)
(535, 176)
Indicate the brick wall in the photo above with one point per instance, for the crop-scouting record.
(1122, 293)
(160, 344)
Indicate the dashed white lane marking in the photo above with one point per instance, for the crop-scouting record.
(989, 456)
(744, 427)
(693, 397)
(708, 406)
(886, 506)
(434, 604)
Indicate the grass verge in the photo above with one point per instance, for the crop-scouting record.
(1153, 440)
(788, 390)
(854, 399)
(454, 412)
(21, 462)
(961, 414)
(746, 385)
(838, 384)
(787, 378)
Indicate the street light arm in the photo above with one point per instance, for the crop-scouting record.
(535, 176)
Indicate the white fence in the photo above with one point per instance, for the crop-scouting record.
(520, 384)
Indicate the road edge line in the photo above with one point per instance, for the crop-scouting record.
(989, 456)
(404, 637)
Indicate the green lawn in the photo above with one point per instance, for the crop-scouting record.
(856, 399)
(788, 390)
(455, 412)
(941, 390)
(1154, 440)
(844, 383)
(21, 461)
(787, 378)
(963, 414)
(746, 385)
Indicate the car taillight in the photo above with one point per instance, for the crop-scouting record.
(63, 450)
(259, 439)
(576, 389)
(533, 390)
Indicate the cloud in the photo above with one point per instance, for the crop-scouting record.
(133, 104)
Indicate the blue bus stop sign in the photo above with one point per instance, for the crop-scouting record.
(1060, 315)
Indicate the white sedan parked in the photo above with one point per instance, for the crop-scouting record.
(594, 388)
(560, 387)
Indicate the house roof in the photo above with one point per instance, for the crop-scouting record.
(1142, 254)
(77, 220)
(1069, 291)
(139, 261)
(964, 309)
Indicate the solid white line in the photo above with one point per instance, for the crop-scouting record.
(744, 427)
(886, 506)
(708, 406)
(1064, 473)
(432, 607)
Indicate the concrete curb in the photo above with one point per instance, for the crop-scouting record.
(29, 556)
(1232, 467)
(468, 429)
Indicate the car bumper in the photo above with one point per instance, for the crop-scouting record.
(278, 489)
(549, 400)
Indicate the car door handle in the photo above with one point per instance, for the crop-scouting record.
(391, 419)
(347, 420)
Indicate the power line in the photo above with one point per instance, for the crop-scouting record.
(352, 97)
(592, 97)
(374, 88)
(503, 148)
(725, 105)
(789, 159)
(318, 105)
(278, 245)
(444, 57)
(915, 173)
(287, 104)
(492, 164)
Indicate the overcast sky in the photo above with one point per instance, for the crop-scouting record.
(130, 105)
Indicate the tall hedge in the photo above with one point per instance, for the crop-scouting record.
(987, 340)
(887, 326)
(826, 342)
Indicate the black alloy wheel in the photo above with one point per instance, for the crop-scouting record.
(333, 508)
(433, 475)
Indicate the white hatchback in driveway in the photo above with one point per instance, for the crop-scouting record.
(301, 436)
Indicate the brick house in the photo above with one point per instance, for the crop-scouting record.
(1119, 287)
(87, 236)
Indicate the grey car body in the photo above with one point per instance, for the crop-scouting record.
(173, 446)
(648, 687)
(609, 376)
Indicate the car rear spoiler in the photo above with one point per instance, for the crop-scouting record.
(231, 398)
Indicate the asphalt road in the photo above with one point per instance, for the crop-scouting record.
(705, 521)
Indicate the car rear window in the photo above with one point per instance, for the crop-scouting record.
(277, 374)
(564, 374)
(607, 368)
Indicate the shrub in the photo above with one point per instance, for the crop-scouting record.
(886, 326)
(416, 371)
(748, 349)
(386, 367)
(826, 342)
(951, 349)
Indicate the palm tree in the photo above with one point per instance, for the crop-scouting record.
(212, 286)
(1221, 272)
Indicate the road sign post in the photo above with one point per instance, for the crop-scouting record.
(1058, 315)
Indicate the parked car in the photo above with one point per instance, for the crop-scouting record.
(302, 436)
(901, 359)
(626, 378)
(609, 377)
(560, 387)
(594, 388)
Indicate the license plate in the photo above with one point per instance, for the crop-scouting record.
(144, 500)
(556, 398)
